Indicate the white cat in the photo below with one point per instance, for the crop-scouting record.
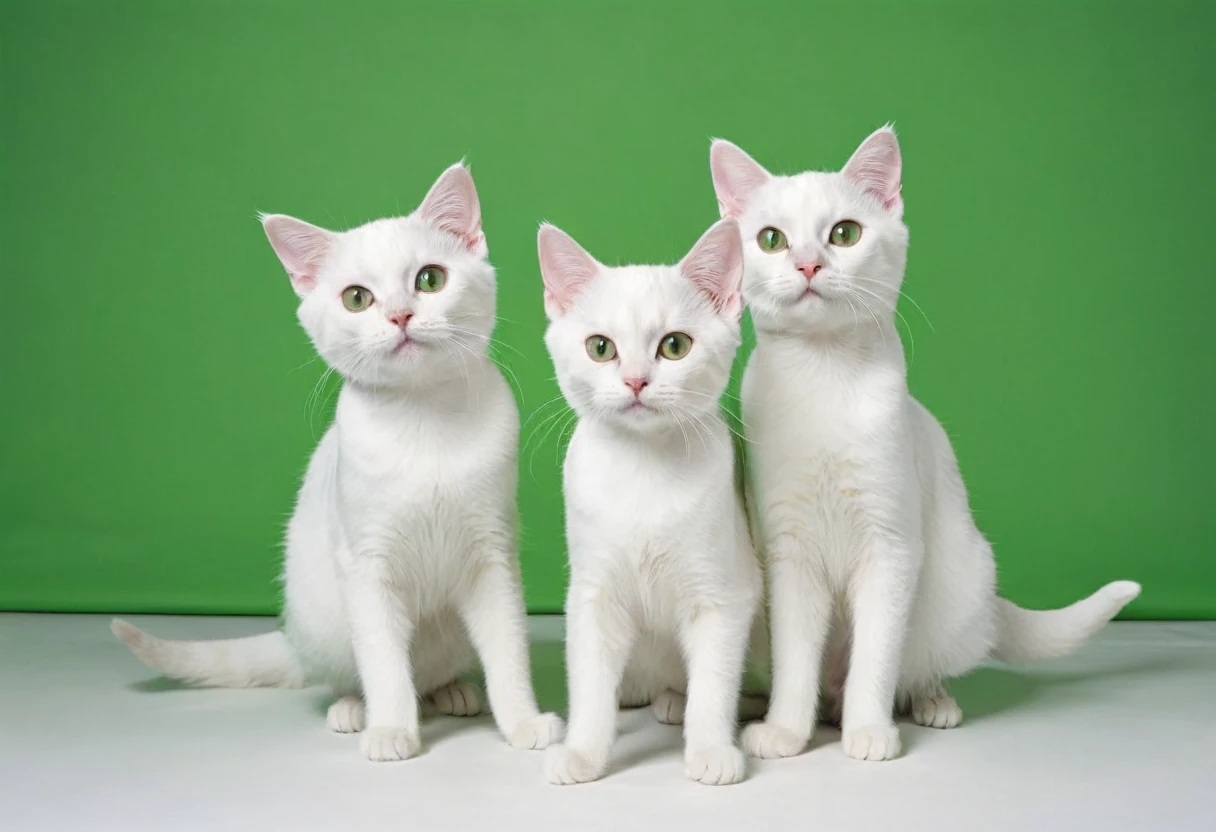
(855, 494)
(404, 534)
(662, 570)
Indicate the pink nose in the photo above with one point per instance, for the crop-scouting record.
(809, 270)
(401, 319)
(636, 385)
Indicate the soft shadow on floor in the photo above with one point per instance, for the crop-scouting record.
(984, 693)
(160, 684)
(993, 690)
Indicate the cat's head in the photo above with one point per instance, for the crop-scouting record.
(643, 347)
(823, 251)
(398, 302)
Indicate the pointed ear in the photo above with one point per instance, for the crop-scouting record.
(451, 205)
(876, 168)
(736, 175)
(301, 247)
(715, 266)
(565, 267)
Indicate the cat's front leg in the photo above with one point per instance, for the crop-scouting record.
(880, 600)
(715, 642)
(493, 612)
(599, 638)
(381, 631)
(800, 608)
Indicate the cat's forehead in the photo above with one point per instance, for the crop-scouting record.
(806, 195)
(384, 247)
(636, 299)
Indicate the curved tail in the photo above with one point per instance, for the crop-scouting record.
(265, 660)
(1031, 635)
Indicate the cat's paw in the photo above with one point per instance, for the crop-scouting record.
(668, 707)
(940, 711)
(873, 742)
(457, 699)
(718, 765)
(346, 715)
(536, 732)
(564, 767)
(768, 741)
(384, 743)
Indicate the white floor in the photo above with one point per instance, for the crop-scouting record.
(1119, 737)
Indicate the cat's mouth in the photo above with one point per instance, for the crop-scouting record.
(404, 344)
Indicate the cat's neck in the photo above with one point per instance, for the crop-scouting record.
(705, 437)
(868, 344)
(443, 395)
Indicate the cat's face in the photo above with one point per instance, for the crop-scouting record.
(643, 347)
(399, 302)
(823, 251)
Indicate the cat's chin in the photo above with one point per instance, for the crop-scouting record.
(635, 417)
(812, 311)
(406, 346)
(810, 299)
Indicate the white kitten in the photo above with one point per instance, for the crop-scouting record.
(856, 497)
(661, 563)
(404, 533)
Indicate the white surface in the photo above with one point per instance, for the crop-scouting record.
(1119, 737)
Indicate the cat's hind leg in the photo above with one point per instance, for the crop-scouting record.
(931, 706)
(457, 698)
(655, 677)
(442, 653)
(346, 715)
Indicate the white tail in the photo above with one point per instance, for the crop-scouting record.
(1031, 635)
(265, 660)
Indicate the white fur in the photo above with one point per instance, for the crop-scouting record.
(664, 583)
(403, 542)
(858, 505)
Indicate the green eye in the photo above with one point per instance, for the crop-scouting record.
(600, 349)
(675, 345)
(770, 239)
(431, 279)
(845, 233)
(356, 298)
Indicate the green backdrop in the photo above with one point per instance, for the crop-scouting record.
(158, 405)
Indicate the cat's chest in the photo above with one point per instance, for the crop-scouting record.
(825, 442)
(636, 498)
(822, 412)
(417, 472)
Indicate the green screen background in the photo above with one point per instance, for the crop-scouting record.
(157, 392)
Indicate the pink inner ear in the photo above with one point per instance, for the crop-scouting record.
(736, 176)
(301, 248)
(715, 266)
(565, 267)
(876, 167)
(452, 206)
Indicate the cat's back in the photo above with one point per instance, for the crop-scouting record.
(314, 500)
